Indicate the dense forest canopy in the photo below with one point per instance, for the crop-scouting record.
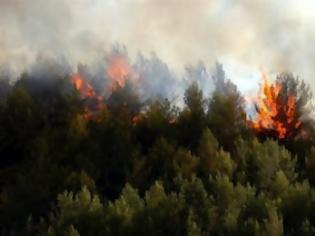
(83, 155)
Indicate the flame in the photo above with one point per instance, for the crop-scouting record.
(269, 107)
(85, 89)
(136, 119)
(92, 102)
(118, 71)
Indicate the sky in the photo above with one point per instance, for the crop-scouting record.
(247, 36)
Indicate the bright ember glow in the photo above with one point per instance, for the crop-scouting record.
(92, 102)
(275, 113)
(85, 89)
(118, 71)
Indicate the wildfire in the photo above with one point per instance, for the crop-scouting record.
(92, 102)
(275, 112)
(85, 89)
(118, 71)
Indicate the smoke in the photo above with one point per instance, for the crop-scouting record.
(149, 75)
(275, 35)
(156, 78)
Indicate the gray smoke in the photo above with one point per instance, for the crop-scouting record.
(275, 35)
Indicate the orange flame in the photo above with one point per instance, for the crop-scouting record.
(85, 89)
(93, 103)
(118, 71)
(269, 107)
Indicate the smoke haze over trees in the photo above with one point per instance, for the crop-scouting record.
(157, 117)
(111, 149)
(241, 34)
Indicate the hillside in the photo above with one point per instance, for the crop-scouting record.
(77, 160)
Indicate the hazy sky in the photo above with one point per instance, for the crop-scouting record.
(244, 35)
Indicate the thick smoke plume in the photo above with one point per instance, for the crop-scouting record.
(150, 77)
(243, 35)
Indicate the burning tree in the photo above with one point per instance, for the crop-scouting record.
(93, 103)
(283, 109)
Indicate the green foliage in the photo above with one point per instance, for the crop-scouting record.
(77, 213)
(208, 147)
(160, 162)
(262, 161)
(280, 184)
(128, 203)
(163, 214)
(185, 164)
(5, 88)
(156, 122)
(201, 209)
(194, 98)
(72, 231)
(230, 200)
(149, 168)
(310, 166)
(274, 224)
(295, 206)
(192, 120)
(20, 123)
(226, 116)
(307, 229)
(213, 159)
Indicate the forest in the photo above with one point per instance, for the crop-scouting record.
(75, 160)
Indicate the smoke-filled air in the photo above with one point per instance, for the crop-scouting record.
(157, 117)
